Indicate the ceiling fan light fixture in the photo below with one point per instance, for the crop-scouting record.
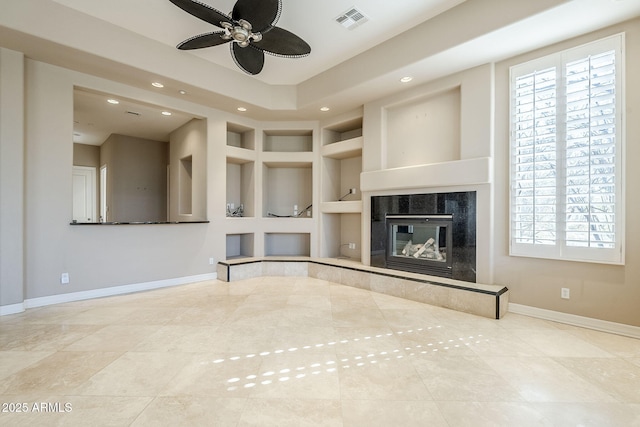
(238, 30)
(240, 33)
(245, 24)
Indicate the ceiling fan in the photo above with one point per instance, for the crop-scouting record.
(251, 29)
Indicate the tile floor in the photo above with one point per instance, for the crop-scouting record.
(293, 351)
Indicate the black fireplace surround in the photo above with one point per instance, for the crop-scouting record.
(458, 247)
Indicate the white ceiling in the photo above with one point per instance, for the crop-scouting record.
(133, 42)
(95, 118)
(313, 21)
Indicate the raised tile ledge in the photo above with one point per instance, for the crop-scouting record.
(480, 299)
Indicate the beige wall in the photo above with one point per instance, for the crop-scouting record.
(136, 179)
(598, 291)
(189, 141)
(424, 131)
(11, 177)
(142, 253)
(86, 155)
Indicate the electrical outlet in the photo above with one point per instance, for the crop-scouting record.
(352, 245)
(211, 261)
(565, 293)
(64, 279)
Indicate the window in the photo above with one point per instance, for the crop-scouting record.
(566, 155)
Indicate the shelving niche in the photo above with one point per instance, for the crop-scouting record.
(239, 246)
(240, 177)
(241, 137)
(341, 157)
(287, 173)
(287, 244)
(341, 166)
(284, 141)
(285, 185)
(271, 171)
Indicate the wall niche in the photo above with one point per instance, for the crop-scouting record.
(424, 130)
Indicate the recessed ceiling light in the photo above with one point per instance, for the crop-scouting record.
(325, 109)
(242, 109)
(157, 84)
(406, 79)
(166, 113)
(182, 92)
(113, 101)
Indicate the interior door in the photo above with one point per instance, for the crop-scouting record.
(104, 210)
(84, 194)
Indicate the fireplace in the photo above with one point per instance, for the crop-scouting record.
(420, 243)
(398, 219)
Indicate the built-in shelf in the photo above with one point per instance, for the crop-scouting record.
(339, 177)
(342, 131)
(240, 155)
(354, 206)
(285, 187)
(240, 174)
(343, 149)
(341, 166)
(284, 141)
(240, 188)
(285, 159)
(239, 246)
(287, 244)
(241, 137)
(341, 235)
(271, 172)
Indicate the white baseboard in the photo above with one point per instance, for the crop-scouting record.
(103, 292)
(5, 310)
(572, 319)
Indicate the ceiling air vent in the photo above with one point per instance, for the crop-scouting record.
(351, 19)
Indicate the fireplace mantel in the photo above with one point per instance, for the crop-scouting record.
(446, 174)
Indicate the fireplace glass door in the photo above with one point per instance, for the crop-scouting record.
(420, 243)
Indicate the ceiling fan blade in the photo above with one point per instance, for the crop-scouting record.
(202, 11)
(250, 59)
(261, 14)
(280, 42)
(203, 40)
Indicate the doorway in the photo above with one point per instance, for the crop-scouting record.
(84, 194)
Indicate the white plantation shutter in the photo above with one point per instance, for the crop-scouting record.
(566, 180)
(591, 151)
(535, 158)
